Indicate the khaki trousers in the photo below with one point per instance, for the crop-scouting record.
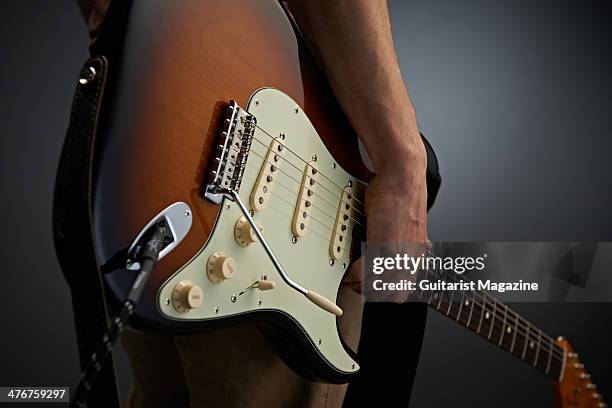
(233, 367)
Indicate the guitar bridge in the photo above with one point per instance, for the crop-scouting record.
(232, 153)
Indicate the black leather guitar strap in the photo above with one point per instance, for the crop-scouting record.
(72, 224)
(72, 207)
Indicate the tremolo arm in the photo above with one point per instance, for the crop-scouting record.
(225, 181)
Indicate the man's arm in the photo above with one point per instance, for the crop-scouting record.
(353, 43)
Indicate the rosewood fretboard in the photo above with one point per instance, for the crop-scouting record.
(496, 322)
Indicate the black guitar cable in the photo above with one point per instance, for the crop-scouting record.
(147, 255)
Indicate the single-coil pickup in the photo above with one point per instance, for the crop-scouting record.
(260, 195)
(303, 206)
(342, 227)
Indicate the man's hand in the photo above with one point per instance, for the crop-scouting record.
(396, 204)
(396, 212)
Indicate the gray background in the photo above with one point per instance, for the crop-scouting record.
(514, 95)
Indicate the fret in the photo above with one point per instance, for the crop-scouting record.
(460, 305)
(536, 348)
(458, 310)
(535, 361)
(546, 346)
(532, 347)
(477, 316)
(450, 303)
(557, 363)
(482, 313)
(516, 320)
(526, 341)
(496, 330)
(550, 353)
(471, 309)
(503, 328)
(498, 327)
(448, 299)
(488, 323)
(520, 340)
(431, 296)
(492, 320)
(509, 330)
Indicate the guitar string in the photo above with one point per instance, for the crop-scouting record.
(517, 317)
(345, 238)
(296, 155)
(530, 333)
(275, 208)
(512, 319)
(340, 198)
(335, 208)
(520, 324)
(519, 321)
(300, 159)
(545, 346)
(482, 295)
(342, 236)
(296, 194)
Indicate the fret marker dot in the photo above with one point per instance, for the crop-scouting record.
(509, 329)
(467, 302)
(532, 344)
(487, 315)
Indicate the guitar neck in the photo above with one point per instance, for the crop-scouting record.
(497, 323)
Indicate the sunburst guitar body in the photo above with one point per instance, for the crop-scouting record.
(218, 121)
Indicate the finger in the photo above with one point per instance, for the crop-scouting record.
(354, 286)
(353, 279)
(355, 273)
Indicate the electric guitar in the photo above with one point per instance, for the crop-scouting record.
(218, 122)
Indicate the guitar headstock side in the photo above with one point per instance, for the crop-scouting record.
(575, 388)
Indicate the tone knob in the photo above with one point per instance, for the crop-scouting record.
(244, 233)
(186, 296)
(220, 267)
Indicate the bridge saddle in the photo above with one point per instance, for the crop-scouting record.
(232, 152)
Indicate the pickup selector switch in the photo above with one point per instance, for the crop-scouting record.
(244, 233)
(186, 296)
(220, 267)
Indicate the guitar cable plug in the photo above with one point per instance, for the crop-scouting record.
(147, 254)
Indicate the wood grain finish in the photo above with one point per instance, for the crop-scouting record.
(576, 388)
(182, 62)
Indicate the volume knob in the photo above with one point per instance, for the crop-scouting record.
(220, 267)
(186, 296)
(244, 233)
